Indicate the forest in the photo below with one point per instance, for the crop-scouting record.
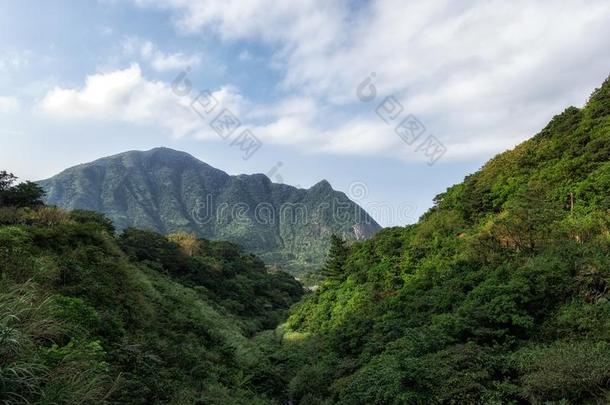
(498, 295)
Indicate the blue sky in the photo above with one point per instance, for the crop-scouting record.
(84, 79)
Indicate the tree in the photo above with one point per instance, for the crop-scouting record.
(189, 244)
(84, 216)
(6, 180)
(526, 224)
(337, 256)
(26, 194)
(148, 246)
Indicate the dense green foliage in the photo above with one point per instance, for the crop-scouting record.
(169, 191)
(87, 317)
(19, 195)
(500, 294)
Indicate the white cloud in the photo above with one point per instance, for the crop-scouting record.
(125, 95)
(482, 76)
(159, 61)
(174, 61)
(8, 105)
(265, 19)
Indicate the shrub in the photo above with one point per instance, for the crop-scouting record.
(565, 370)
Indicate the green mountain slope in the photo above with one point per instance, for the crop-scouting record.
(167, 191)
(90, 318)
(500, 294)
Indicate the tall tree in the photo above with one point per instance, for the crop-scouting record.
(6, 180)
(337, 255)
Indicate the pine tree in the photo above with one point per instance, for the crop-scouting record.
(337, 255)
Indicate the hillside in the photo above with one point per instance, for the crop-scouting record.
(167, 191)
(500, 294)
(88, 318)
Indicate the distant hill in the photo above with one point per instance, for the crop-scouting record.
(166, 191)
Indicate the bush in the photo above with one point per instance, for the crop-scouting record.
(565, 370)
(44, 216)
(86, 217)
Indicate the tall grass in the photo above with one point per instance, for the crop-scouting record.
(24, 321)
(28, 325)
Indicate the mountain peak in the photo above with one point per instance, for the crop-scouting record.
(322, 184)
(163, 156)
(164, 152)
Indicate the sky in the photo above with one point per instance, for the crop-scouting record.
(390, 101)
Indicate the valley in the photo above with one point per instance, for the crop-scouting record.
(112, 292)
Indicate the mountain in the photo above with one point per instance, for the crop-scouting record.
(500, 294)
(167, 191)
